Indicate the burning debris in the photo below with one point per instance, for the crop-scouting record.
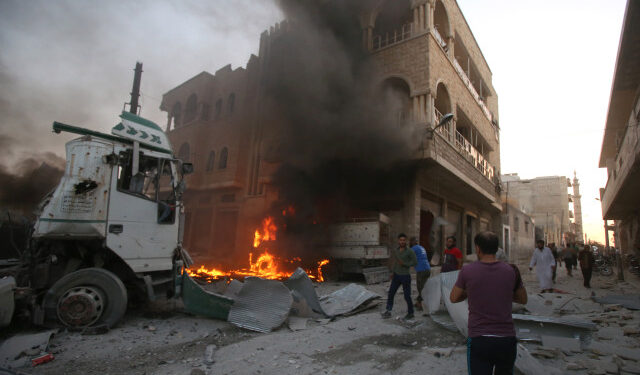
(267, 265)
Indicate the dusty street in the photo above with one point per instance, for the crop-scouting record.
(162, 340)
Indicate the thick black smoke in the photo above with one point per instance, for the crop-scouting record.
(28, 181)
(345, 149)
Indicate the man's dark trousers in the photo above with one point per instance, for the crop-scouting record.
(396, 281)
(586, 273)
(486, 353)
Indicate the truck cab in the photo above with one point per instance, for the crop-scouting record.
(110, 228)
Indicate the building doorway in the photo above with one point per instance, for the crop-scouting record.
(426, 227)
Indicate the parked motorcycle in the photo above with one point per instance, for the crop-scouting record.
(604, 265)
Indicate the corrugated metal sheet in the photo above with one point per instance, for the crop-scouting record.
(346, 299)
(300, 283)
(261, 305)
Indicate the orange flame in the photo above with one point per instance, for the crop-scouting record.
(266, 266)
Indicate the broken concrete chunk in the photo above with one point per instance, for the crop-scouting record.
(209, 352)
(565, 343)
(631, 331)
(630, 369)
(574, 366)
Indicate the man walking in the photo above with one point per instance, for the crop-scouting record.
(402, 259)
(543, 260)
(567, 255)
(491, 286)
(423, 269)
(452, 256)
(586, 264)
(554, 251)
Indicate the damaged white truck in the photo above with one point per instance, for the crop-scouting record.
(111, 231)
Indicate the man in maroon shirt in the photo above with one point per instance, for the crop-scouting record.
(452, 256)
(491, 286)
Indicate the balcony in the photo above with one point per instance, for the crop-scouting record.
(391, 38)
(620, 196)
(464, 147)
(440, 39)
(472, 89)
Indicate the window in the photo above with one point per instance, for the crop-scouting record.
(516, 224)
(218, 108)
(222, 164)
(176, 112)
(184, 153)
(526, 227)
(211, 161)
(232, 102)
(192, 108)
(153, 181)
(206, 112)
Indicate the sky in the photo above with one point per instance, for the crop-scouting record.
(72, 61)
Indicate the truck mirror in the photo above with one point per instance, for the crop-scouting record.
(187, 168)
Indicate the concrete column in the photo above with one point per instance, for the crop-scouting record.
(421, 113)
(429, 15)
(416, 19)
(430, 105)
(168, 122)
(422, 20)
(450, 42)
(416, 108)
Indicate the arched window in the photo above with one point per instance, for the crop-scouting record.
(211, 161)
(184, 153)
(396, 96)
(192, 108)
(441, 24)
(224, 154)
(232, 102)
(218, 108)
(176, 112)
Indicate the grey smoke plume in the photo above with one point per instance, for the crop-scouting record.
(344, 147)
(29, 180)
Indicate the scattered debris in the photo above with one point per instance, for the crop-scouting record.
(302, 289)
(618, 350)
(16, 351)
(630, 301)
(42, 359)
(563, 343)
(261, 305)
(346, 300)
(296, 323)
(209, 353)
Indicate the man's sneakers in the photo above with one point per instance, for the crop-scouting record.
(418, 305)
(409, 316)
(386, 314)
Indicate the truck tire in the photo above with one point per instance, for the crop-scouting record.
(87, 297)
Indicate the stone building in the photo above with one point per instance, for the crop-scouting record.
(427, 53)
(547, 200)
(621, 144)
(518, 232)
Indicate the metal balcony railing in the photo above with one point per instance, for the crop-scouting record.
(390, 38)
(439, 38)
(472, 89)
(464, 147)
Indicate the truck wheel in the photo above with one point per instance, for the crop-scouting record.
(90, 296)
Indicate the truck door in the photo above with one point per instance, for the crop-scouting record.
(142, 225)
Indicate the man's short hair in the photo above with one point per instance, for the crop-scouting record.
(540, 241)
(413, 239)
(402, 235)
(487, 242)
(452, 237)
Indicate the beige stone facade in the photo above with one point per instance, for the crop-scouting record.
(428, 54)
(621, 143)
(547, 200)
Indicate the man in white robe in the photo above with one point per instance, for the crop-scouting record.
(544, 262)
